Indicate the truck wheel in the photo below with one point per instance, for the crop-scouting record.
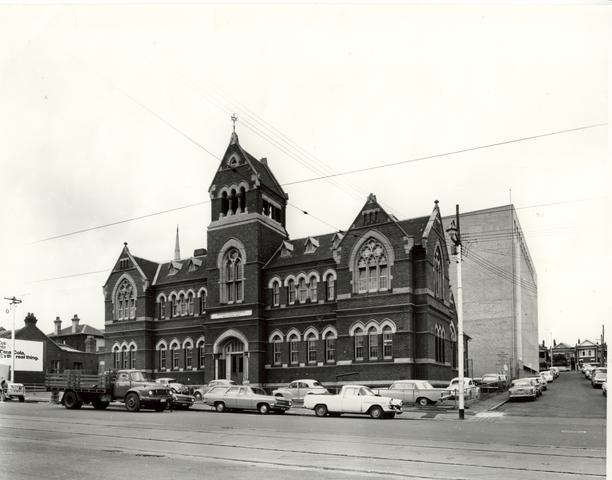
(263, 408)
(21, 398)
(99, 404)
(376, 412)
(320, 410)
(220, 407)
(422, 401)
(132, 402)
(71, 401)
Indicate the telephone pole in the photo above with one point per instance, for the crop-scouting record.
(454, 231)
(13, 302)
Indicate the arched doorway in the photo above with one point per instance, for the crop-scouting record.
(231, 352)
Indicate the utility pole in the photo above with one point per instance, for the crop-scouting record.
(454, 232)
(14, 302)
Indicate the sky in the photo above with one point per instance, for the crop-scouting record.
(114, 112)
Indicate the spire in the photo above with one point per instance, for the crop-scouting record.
(177, 249)
(234, 138)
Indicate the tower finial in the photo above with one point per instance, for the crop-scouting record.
(234, 120)
(177, 249)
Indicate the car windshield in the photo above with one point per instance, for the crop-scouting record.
(258, 391)
(316, 384)
(366, 391)
(139, 377)
(521, 383)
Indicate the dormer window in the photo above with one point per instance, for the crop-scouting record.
(287, 249)
(311, 245)
(194, 264)
(336, 239)
(124, 263)
(174, 268)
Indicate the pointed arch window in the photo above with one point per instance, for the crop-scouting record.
(162, 358)
(124, 357)
(372, 268)
(117, 357)
(175, 305)
(359, 343)
(175, 352)
(330, 286)
(132, 356)
(232, 277)
(277, 342)
(190, 303)
(276, 293)
(188, 356)
(291, 291)
(311, 341)
(202, 307)
(312, 286)
(125, 301)
(438, 274)
(330, 347)
(373, 343)
(294, 342)
(162, 307)
(302, 290)
(387, 334)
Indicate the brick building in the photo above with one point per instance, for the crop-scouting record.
(56, 356)
(371, 304)
(500, 298)
(79, 336)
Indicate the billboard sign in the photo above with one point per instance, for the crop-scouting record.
(28, 355)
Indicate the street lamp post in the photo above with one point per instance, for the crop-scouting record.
(454, 231)
(14, 302)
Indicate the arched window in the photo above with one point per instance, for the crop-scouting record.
(190, 303)
(311, 340)
(387, 334)
(224, 203)
(438, 275)
(162, 307)
(125, 301)
(200, 348)
(203, 295)
(276, 293)
(188, 355)
(117, 357)
(302, 290)
(175, 305)
(183, 304)
(312, 285)
(373, 343)
(175, 352)
(232, 276)
(330, 287)
(372, 269)
(124, 357)
(291, 292)
(294, 343)
(359, 342)
(132, 356)
(330, 347)
(162, 358)
(277, 342)
(439, 350)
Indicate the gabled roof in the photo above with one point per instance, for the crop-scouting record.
(298, 255)
(82, 329)
(181, 274)
(586, 343)
(561, 345)
(148, 267)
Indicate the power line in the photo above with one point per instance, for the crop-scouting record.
(71, 275)
(438, 155)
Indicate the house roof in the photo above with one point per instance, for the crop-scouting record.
(82, 329)
(183, 273)
(586, 343)
(148, 267)
(562, 345)
(298, 255)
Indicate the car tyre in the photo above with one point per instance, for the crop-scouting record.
(263, 408)
(132, 402)
(220, 407)
(21, 398)
(376, 412)
(320, 410)
(422, 401)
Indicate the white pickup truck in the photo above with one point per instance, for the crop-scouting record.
(10, 390)
(353, 399)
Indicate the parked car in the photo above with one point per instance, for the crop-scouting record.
(555, 371)
(604, 388)
(298, 389)
(541, 384)
(244, 397)
(522, 388)
(173, 385)
(354, 399)
(491, 382)
(563, 368)
(600, 375)
(199, 393)
(414, 391)
(547, 375)
(470, 389)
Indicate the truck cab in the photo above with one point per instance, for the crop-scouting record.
(10, 390)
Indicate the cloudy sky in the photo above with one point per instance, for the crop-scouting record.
(115, 112)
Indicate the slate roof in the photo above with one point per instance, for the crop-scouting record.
(266, 175)
(83, 329)
(561, 345)
(148, 267)
(415, 227)
(298, 256)
(586, 343)
(183, 274)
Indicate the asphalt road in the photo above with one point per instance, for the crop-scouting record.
(42, 441)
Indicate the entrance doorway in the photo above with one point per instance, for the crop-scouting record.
(232, 361)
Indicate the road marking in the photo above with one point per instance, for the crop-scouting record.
(573, 431)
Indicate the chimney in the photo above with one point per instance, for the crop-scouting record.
(264, 160)
(554, 343)
(75, 323)
(58, 325)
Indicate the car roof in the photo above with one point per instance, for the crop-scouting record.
(168, 379)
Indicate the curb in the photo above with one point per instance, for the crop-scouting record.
(495, 407)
